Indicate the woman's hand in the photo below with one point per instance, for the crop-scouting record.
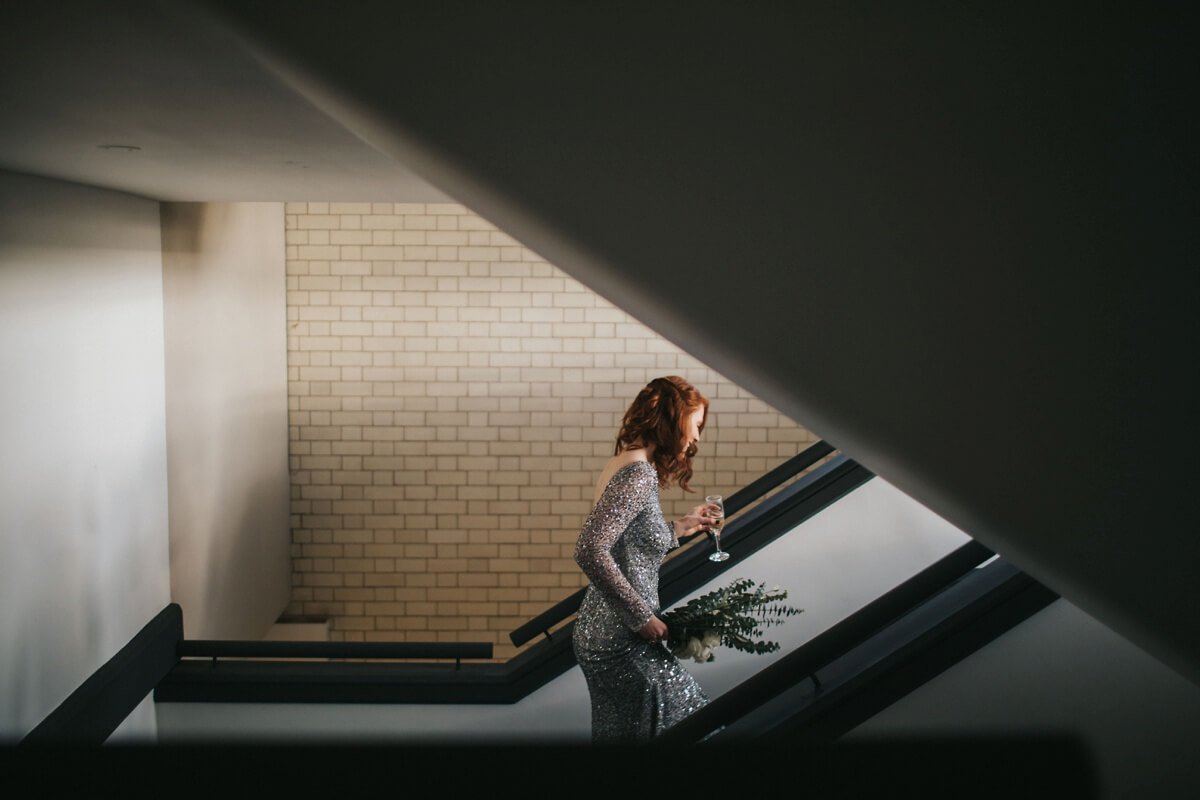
(655, 630)
(695, 521)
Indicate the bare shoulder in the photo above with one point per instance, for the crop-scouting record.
(615, 465)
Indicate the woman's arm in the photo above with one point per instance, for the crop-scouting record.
(626, 494)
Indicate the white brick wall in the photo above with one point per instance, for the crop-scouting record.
(452, 398)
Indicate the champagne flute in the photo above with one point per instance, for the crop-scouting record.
(718, 519)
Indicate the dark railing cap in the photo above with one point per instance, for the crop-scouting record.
(211, 648)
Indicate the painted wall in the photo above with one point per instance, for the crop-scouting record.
(226, 400)
(83, 486)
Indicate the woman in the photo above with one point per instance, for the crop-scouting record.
(637, 687)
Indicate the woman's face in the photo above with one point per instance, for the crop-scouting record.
(691, 430)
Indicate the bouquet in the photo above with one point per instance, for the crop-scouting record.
(734, 616)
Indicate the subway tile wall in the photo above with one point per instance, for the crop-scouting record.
(452, 397)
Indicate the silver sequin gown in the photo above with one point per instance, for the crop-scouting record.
(637, 688)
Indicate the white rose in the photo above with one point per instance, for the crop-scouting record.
(688, 649)
(709, 642)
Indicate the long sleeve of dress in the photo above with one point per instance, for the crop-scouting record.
(623, 499)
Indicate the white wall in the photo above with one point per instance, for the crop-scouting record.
(835, 563)
(1064, 672)
(83, 488)
(227, 435)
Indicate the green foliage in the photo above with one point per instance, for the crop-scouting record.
(736, 615)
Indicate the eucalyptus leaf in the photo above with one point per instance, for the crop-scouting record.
(734, 615)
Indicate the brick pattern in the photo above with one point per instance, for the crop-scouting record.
(452, 397)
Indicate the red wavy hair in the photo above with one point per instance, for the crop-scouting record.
(656, 417)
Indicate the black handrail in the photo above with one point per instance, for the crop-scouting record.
(101, 703)
(928, 639)
(803, 663)
(215, 649)
(542, 623)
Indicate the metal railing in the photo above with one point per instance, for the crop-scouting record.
(859, 666)
(216, 649)
(803, 663)
(93, 711)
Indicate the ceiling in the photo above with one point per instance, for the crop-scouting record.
(82, 84)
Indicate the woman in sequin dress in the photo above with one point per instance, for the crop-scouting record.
(637, 688)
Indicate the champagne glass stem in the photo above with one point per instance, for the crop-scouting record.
(715, 530)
